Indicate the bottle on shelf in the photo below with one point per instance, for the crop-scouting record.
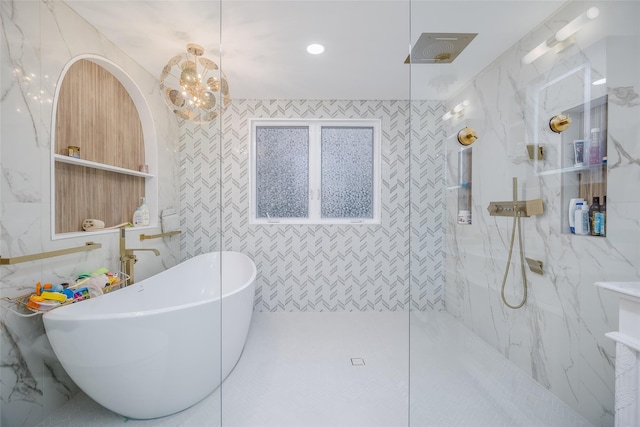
(146, 215)
(137, 217)
(594, 147)
(581, 218)
(573, 207)
(602, 216)
(586, 226)
(594, 218)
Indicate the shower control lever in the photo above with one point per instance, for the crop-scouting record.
(523, 208)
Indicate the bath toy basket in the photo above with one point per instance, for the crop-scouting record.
(19, 305)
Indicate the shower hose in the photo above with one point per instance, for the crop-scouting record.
(516, 222)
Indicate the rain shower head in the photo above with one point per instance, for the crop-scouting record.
(438, 48)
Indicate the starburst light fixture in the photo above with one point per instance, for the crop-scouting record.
(194, 87)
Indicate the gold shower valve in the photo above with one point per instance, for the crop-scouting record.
(467, 136)
(513, 208)
(559, 123)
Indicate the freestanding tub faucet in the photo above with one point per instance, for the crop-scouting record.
(127, 256)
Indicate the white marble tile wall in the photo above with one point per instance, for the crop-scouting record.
(325, 268)
(558, 337)
(39, 38)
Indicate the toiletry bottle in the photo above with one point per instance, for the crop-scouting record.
(582, 218)
(577, 221)
(137, 217)
(578, 152)
(573, 206)
(146, 216)
(586, 225)
(594, 218)
(603, 218)
(594, 147)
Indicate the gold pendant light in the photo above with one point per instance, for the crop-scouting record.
(194, 87)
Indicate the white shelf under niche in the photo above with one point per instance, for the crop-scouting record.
(95, 165)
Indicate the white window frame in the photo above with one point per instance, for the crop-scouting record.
(314, 190)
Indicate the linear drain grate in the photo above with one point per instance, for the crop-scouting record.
(357, 361)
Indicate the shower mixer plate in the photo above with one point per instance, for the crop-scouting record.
(524, 208)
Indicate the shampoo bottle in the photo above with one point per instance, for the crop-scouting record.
(572, 213)
(594, 218)
(137, 217)
(582, 218)
(602, 215)
(146, 216)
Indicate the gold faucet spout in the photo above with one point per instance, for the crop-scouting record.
(131, 251)
(127, 256)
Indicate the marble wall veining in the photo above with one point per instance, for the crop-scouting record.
(325, 267)
(419, 257)
(558, 337)
(39, 39)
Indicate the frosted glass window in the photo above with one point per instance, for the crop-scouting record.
(282, 172)
(347, 172)
(315, 171)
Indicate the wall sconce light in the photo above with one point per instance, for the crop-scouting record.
(457, 111)
(572, 27)
(467, 136)
(563, 34)
(560, 123)
(194, 86)
(537, 52)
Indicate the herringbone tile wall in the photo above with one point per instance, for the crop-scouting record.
(324, 267)
(428, 205)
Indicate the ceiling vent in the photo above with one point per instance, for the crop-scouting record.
(438, 48)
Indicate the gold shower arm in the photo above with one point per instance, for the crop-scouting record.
(89, 246)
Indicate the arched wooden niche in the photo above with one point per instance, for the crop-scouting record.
(96, 113)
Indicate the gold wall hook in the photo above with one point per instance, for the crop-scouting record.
(467, 136)
(559, 123)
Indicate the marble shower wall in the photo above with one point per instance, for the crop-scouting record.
(325, 267)
(558, 337)
(39, 38)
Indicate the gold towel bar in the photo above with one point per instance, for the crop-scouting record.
(89, 246)
(155, 236)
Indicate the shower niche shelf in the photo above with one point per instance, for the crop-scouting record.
(587, 181)
(464, 185)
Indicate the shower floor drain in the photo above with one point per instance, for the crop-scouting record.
(357, 361)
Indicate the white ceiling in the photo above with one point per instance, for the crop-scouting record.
(263, 41)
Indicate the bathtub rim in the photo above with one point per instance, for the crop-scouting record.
(61, 314)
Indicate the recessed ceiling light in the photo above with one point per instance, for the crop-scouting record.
(599, 82)
(315, 49)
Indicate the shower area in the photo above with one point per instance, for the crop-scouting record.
(393, 315)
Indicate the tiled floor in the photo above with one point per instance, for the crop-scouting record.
(352, 369)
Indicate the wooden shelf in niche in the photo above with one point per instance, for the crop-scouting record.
(96, 113)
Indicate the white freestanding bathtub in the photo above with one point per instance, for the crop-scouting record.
(163, 344)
